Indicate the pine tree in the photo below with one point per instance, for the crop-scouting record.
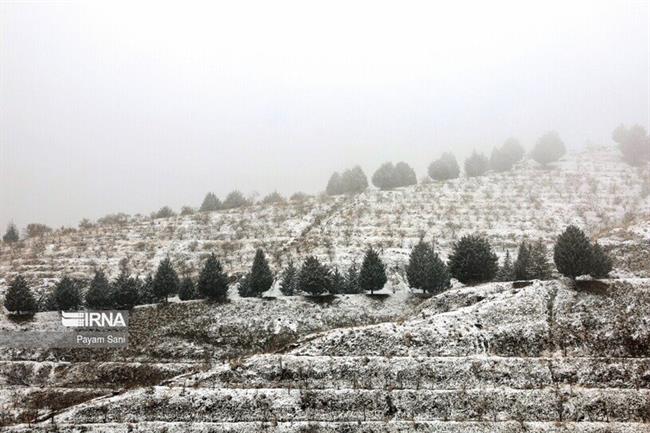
(234, 200)
(384, 177)
(404, 175)
(549, 148)
(523, 266)
(210, 203)
(314, 278)
(354, 180)
(472, 260)
(601, 263)
(145, 291)
(11, 235)
(213, 282)
(572, 253)
(540, 268)
(99, 296)
(125, 291)
(513, 149)
(334, 185)
(338, 282)
(67, 294)
(352, 280)
(244, 287)
(426, 271)
(289, 280)
(506, 272)
(444, 168)
(634, 144)
(476, 165)
(186, 290)
(165, 282)
(260, 277)
(373, 272)
(19, 298)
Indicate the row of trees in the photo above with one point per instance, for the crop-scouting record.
(471, 261)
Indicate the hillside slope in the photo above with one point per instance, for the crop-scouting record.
(594, 190)
(491, 358)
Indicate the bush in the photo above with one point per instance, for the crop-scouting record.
(187, 291)
(352, 181)
(260, 277)
(372, 275)
(99, 296)
(572, 253)
(634, 143)
(11, 235)
(299, 197)
(165, 282)
(19, 298)
(234, 200)
(472, 260)
(113, 219)
(126, 294)
(85, 224)
(67, 294)
(213, 282)
(289, 280)
(314, 278)
(187, 210)
(210, 203)
(35, 230)
(444, 168)
(549, 148)
(476, 165)
(426, 271)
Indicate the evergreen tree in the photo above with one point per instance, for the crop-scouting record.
(11, 235)
(404, 175)
(634, 144)
(99, 296)
(289, 280)
(523, 266)
(444, 168)
(354, 180)
(472, 260)
(244, 287)
(513, 149)
(210, 203)
(540, 268)
(499, 161)
(506, 272)
(352, 280)
(334, 185)
(549, 148)
(213, 282)
(476, 165)
(384, 177)
(373, 272)
(572, 253)
(145, 291)
(601, 263)
(186, 290)
(165, 282)
(260, 277)
(164, 212)
(274, 198)
(426, 271)
(314, 278)
(19, 298)
(125, 291)
(234, 200)
(338, 282)
(67, 294)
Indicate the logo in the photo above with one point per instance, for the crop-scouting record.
(94, 319)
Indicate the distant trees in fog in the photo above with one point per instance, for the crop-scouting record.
(476, 165)
(352, 181)
(389, 176)
(210, 203)
(503, 158)
(634, 143)
(11, 235)
(444, 168)
(548, 148)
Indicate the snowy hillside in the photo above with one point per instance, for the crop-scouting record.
(491, 358)
(594, 190)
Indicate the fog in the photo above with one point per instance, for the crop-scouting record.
(123, 108)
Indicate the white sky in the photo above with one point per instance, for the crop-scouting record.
(115, 107)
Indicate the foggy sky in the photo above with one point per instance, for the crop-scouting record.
(115, 107)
